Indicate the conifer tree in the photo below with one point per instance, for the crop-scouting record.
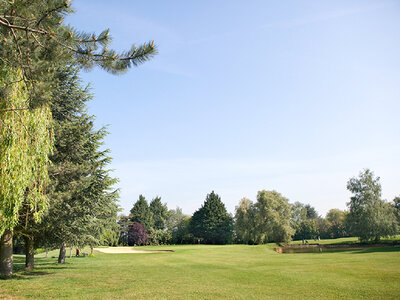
(159, 212)
(142, 214)
(211, 222)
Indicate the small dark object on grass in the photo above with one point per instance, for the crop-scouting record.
(84, 254)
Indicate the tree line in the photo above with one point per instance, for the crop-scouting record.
(271, 218)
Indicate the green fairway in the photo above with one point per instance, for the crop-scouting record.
(212, 272)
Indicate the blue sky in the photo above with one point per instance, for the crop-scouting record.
(296, 96)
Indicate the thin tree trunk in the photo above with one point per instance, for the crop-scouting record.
(47, 252)
(6, 251)
(91, 250)
(29, 253)
(61, 257)
(70, 252)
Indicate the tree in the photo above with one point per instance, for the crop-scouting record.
(35, 41)
(369, 217)
(244, 221)
(159, 212)
(24, 147)
(211, 222)
(82, 199)
(304, 221)
(178, 225)
(337, 223)
(137, 234)
(141, 213)
(272, 217)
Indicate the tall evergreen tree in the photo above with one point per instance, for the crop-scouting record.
(211, 222)
(142, 214)
(82, 201)
(159, 212)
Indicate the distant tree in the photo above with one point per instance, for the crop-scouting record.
(137, 234)
(370, 218)
(177, 223)
(396, 205)
(304, 221)
(323, 228)
(337, 223)
(245, 221)
(311, 212)
(123, 223)
(272, 217)
(159, 212)
(142, 214)
(212, 223)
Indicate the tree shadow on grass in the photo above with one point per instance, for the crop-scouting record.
(42, 265)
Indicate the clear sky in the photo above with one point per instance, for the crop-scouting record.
(296, 96)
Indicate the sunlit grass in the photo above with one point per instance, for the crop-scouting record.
(212, 272)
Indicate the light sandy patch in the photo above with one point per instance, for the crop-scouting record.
(128, 250)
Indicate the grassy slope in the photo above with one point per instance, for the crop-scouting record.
(209, 272)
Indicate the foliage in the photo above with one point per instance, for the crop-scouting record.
(272, 217)
(24, 147)
(141, 213)
(245, 222)
(304, 221)
(83, 202)
(159, 212)
(212, 223)
(36, 41)
(369, 216)
(137, 234)
(177, 224)
(337, 223)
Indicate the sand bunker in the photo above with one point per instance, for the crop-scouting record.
(129, 250)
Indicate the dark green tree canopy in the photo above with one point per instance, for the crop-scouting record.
(141, 213)
(211, 222)
(159, 212)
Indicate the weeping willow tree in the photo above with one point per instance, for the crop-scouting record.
(25, 145)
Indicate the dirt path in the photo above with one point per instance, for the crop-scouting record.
(129, 250)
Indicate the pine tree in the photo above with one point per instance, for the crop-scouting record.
(211, 222)
(159, 212)
(142, 214)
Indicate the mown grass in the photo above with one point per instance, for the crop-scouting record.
(212, 272)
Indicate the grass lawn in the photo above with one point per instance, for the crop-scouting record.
(212, 272)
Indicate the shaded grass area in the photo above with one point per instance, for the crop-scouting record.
(212, 272)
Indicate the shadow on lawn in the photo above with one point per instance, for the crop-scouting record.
(42, 266)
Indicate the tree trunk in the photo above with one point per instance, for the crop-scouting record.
(29, 253)
(61, 257)
(6, 251)
(47, 253)
(70, 252)
(91, 250)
